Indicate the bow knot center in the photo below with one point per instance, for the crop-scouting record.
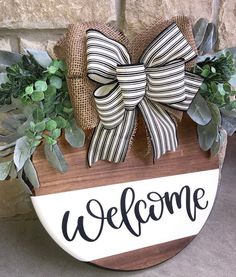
(132, 81)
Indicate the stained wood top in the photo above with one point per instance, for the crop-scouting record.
(188, 158)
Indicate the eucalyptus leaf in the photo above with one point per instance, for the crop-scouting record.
(51, 91)
(199, 110)
(75, 136)
(207, 135)
(41, 57)
(49, 140)
(40, 126)
(51, 125)
(41, 85)
(31, 173)
(36, 143)
(5, 168)
(52, 69)
(56, 82)
(221, 89)
(22, 153)
(61, 122)
(56, 133)
(55, 157)
(199, 30)
(38, 114)
(210, 39)
(29, 89)
(37, 96)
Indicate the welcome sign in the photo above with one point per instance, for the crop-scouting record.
(132, 215)
(99, 222)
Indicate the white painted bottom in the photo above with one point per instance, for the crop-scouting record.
(51, 209)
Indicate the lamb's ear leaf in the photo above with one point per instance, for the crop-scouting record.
(41, 57)
(22, 153)
(6, 152)
(7, 146)
(215, 148)
(31, 173)
(3, 78)
(74, 135)
(20, 178)
(199, 110)
(207, 135)
(228, 121)
(13, 172)
(55, 157)
(215, 113)
(5, 168)
(210, 39)
(9, 58)
(199, 30)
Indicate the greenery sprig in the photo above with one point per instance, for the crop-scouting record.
(217, 73)
(213, 108)
(37, 110)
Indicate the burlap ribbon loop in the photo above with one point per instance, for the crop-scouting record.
(158, 78)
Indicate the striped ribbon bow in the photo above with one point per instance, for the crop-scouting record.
(158, 78)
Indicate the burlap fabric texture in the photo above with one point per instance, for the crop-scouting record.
(72, 48)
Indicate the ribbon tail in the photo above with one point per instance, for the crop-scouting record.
(112, 144)
(161, 128)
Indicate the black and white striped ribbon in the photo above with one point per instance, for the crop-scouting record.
(159, 77)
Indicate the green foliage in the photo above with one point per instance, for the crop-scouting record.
(20, 75)
(37, 106)
(215, 92)
(217, 73)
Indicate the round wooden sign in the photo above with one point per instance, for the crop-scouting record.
(132, 215)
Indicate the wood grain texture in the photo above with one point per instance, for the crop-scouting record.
(188, 158)
(145, 257)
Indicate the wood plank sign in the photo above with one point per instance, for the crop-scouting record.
(130, 215)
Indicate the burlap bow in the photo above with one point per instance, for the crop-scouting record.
(158, 78)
